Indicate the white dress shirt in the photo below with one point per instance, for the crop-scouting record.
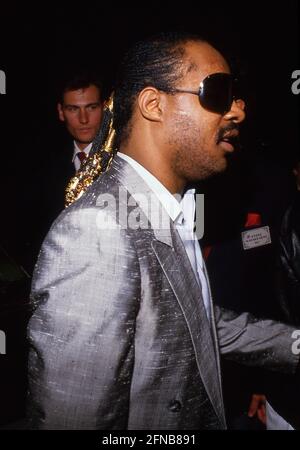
(275, 421)
(86, 150)
(182, 213)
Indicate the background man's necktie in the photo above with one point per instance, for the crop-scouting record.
(81, 156)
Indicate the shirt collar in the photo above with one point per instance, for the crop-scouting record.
(86, 150)
(176, 207)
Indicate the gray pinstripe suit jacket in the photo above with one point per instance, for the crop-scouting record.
(119, 335)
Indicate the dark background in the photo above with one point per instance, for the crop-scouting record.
(41, 44)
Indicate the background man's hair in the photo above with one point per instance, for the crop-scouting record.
(156, 61)
(80, 80)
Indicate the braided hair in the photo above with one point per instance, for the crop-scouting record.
(157, 61)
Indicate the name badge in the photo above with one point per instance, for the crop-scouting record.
(256, 237)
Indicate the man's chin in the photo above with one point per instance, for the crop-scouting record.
(222, 166)
(219, 167)
(85, 140)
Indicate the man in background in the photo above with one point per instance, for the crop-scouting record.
(283, 394)
(80, 108)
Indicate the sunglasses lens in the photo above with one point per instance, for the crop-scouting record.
(216, 93)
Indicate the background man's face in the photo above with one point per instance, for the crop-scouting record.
(81, 111)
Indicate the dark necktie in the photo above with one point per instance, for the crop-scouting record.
(81, 156)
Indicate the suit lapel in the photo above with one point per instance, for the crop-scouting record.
(177, 268)
(134, 184)
(174, 261)
(213, 327)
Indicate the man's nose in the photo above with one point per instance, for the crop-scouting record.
(83, 116)
(237, 111)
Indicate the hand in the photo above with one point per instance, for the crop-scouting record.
(258, 407)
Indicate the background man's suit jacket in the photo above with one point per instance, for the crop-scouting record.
(39, 200)
(120, 337)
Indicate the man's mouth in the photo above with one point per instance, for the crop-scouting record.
(229, 141)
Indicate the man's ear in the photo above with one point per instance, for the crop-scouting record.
(241, 103)
(150, 104)
(60, 112)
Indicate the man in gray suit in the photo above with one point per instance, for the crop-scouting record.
(124, 334)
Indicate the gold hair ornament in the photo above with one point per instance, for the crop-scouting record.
(99, 159)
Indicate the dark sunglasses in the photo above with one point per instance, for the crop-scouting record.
(216, 92)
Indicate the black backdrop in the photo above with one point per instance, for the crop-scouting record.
(40, 44)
